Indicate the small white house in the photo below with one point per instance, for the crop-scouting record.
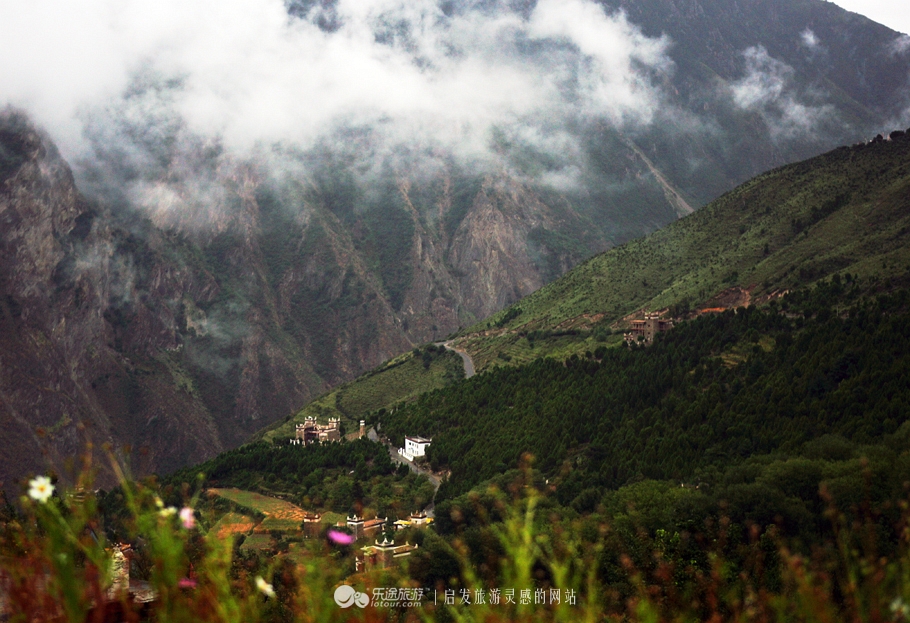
(414, 447)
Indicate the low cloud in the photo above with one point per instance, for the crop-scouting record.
(768, 88)
(809, 39)
(900, 46)
(129, 78)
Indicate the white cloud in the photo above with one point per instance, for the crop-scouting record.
(613, 83)
(247, 73)
(901, 45)
(809, 39)
(768, 89)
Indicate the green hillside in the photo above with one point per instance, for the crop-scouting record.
(709, 394)
(402, 378)
(847, 210)
(777, 426)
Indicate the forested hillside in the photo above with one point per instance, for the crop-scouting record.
(340, 477)
(711, 393)
(845, 212)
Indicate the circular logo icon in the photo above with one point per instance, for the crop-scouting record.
(346, 596)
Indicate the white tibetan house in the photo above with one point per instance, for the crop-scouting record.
(414, 447)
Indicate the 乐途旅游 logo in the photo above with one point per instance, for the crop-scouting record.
(346, 596)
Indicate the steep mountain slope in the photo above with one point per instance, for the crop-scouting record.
(846, 211)
(775, 81)
(66, 356)
(177, 344)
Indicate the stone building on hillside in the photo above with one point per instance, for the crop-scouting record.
(311, 432)
(382, 554)
(417, 520)
(312, 525)
(361, 527)
(644, 330)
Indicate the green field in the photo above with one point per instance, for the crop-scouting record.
(256, 542)
(297, 552)
(332, 518)
(397, 380)
(282, 525)
(280, 515)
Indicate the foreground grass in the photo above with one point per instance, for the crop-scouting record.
(57, 566)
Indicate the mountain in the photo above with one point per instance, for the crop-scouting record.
(772, 404)
(790, 299)
(167, 292)
(844, 213)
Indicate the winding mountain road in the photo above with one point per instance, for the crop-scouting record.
(435, 479)
(465, 357)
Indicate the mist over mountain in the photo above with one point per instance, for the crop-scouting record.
(256, 200)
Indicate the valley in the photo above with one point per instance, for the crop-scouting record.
(747, 371)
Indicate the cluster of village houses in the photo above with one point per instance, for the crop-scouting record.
(312, 432)
(383, 552)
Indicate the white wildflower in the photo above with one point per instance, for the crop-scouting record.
(900, 609)
(170, 511)
(264, 587)
(40, 489)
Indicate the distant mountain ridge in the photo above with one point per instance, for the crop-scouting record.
(181, 328)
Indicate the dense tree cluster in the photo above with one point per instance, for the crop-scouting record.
(339, 477)
(712, 392)
(829, 493)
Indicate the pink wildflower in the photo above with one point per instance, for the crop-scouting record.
(341, 538)
(187, 517)
(186, 583)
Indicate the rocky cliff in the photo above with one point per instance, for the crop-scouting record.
(177, 338)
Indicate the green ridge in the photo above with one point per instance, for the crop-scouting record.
(847, 210)
(844, 211)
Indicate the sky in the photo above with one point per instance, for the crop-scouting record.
(892, 13)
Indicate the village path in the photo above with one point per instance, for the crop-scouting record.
(435, 479)
(465, 357)
(400, 460)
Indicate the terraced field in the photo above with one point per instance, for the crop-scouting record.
(279, 515)
(233, 523)
(256, 542)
